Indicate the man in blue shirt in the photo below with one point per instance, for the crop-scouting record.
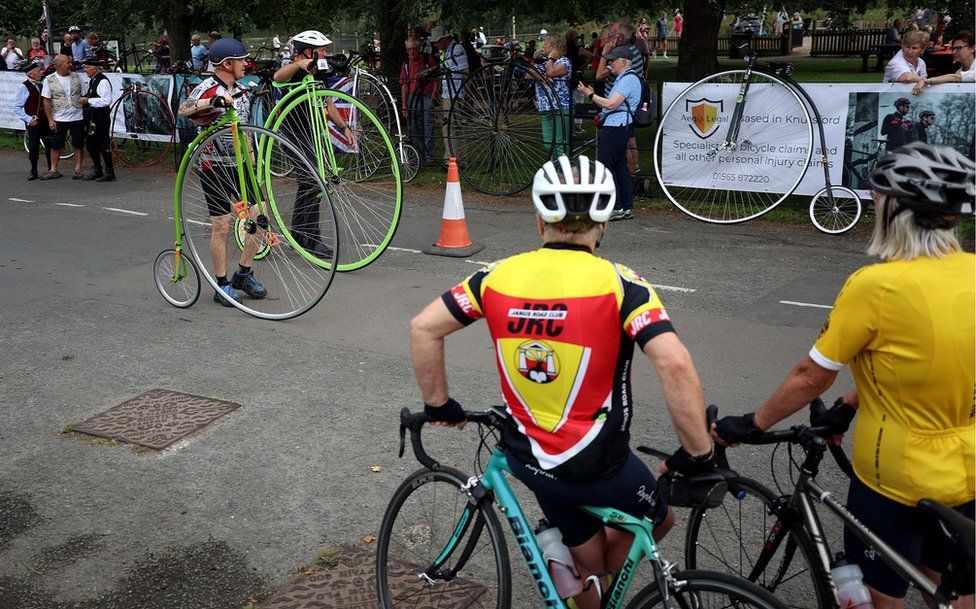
(616, 114)
(198, 53)
(455, 63)
(79, 48)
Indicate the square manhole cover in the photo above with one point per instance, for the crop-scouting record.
(352, 585)
(156, 418)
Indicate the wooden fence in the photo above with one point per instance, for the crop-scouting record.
(845, 43)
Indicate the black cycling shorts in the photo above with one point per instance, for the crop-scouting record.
(74, 128)
(221, 188)
(911, 532)
(632, 490)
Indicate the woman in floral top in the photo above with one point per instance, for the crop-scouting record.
(557, 69)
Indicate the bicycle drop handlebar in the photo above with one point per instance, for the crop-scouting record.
(415, 422)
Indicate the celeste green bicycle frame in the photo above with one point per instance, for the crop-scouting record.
(493, 480)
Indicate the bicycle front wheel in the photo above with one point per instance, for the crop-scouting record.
(835, 214)
(363, 176)
(284, 228)
(706, 590)
(722, 166)
(437, 549)
(743, 537)
(176, 278)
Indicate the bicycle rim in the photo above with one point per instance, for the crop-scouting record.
(495, 130)
(296, 210)
(836, 214)
(178, 283)
(725, 186)
(409, 162)
(418, 525)
(364, 183)
(707, 590)
(143, 128)
(731, 539)
(374, 95)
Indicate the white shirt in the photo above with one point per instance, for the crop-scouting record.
(12, 56)
(104, 99)
(899, 65)
(968, 75)
(276, 42)
(71, 114)
(455, 60)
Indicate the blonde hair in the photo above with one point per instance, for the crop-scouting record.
(916, 37)
(904, 239)
(557, 42)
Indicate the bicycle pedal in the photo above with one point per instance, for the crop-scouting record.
(241, 209)
(272, 240)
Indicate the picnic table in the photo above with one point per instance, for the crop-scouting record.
(884, 52)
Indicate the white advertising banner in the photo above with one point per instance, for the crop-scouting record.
(773, 140)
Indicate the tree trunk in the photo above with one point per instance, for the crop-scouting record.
(698, 48)
(178, 26)
(392, 32)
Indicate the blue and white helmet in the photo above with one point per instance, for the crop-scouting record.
(557, 194)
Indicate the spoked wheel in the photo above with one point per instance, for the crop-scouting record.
(423, 109)
(409, 162)
(495, 130)
(376, 97)
(66, 152)
(289, 219)
(176, 278)
(835, 214)
(143, 128)
(363, 177)
(436, 549)
(706, 590)
(732, 538)
(718, 175)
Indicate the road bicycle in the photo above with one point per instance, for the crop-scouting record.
(143, 127)
(734, 145)
(362, 175)
(441, 543)
(778, 542)
(229, 167)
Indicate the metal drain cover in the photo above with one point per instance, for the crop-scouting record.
(156, 418)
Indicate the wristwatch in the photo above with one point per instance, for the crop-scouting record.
(590, 96)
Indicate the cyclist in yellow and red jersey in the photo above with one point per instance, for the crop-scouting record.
(564, 323)
(907, 328)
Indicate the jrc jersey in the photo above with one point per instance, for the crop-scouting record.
(908, 330)
(221, 151)
(564, 323)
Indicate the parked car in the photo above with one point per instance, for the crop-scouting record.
(493, 53)
(749, 24)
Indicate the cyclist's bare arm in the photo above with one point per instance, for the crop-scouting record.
(682, 391)
(806, 381)
(427, 332)
(286, 73)
(191, 106)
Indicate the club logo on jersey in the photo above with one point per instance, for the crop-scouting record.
(537, 362)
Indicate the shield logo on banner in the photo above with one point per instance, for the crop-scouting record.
(704, 115)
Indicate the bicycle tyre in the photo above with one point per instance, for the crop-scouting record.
(178, 289)
(689, 183)
(414, 124)
(399, 555)
(792, 571)
(295, 279)
(495, 129)
(366, 189)
(373, 93)
(66, 153)
(143, 128)
(836, 218)
(409, 162)
(701, 585)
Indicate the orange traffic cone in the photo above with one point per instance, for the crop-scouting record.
(454, 240)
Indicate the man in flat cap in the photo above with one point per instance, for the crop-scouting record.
(96, 102)
(28, 108)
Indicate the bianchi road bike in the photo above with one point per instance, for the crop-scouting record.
(778, 541)
(441, 544)
(734, 145)
(235, 168)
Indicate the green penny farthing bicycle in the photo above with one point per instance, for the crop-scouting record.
(362, 176)
(234, 167)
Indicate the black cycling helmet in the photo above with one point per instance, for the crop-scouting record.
(227, 48)
(936, 183)
(903, 101)
(925, 113)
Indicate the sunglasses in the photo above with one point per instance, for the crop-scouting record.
(957, 48)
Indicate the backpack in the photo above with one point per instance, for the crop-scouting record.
(644, 114)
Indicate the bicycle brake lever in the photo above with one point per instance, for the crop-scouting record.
(403, 438)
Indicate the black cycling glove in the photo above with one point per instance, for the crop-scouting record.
(735, 429)
(838, 418)
(682, 463)
(450, 412)
(218, 101)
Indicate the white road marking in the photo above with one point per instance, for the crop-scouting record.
(672, 288)
(69, 204)
(805, 304)
(125, 211)
(400, 249)
(20, 200)
(478, 262)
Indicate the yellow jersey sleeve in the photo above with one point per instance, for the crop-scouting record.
(852, 324)
(464, 299)
(641, 310)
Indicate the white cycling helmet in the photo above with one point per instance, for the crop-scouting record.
(556, 194)
(309, 39)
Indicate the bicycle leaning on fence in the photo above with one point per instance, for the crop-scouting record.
(440, 540)
(734, 145)
(781, 542)
(230, 168)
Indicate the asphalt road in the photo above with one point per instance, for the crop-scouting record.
(233, 511)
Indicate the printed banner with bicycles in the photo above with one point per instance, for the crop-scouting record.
(776, 140)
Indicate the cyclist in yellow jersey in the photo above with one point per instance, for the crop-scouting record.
(564, 323)
(907, 328)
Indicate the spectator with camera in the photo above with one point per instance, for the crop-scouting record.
(11, 54)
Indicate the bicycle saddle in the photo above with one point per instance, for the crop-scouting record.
(961, 531)
(780, 67)
(339, 62)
